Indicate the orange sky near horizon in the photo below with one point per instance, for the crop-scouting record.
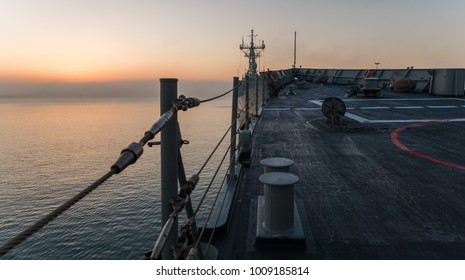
(117, 40)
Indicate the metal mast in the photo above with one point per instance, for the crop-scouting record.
(252, 52)
(295, 43)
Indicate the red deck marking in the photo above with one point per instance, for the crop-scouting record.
(395, 140)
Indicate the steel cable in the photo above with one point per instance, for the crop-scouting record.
(223, 94)
(55, 213)
(132, 153)
(216, 198)
(128, 156)
(211, 182)
(214, 151)
(221, 210)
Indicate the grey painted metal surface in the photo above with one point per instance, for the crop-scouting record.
(359, 195)
(357, 76)
(169, 159)
(276, 164)
(279, 199)
(234, 119)
(449, 82)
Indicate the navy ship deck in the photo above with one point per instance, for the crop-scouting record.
(387, 184)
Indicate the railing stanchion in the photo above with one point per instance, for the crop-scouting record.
(187, 202)
(263, 90)
(169, 160)
(247, 100)
(232, 151)
(256, 95)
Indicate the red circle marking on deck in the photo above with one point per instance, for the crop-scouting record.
(395, 140)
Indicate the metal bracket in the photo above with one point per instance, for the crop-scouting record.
(154, 143)
(157, 143)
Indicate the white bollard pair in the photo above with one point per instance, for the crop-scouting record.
(278, 218)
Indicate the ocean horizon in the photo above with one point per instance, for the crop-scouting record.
(137, 89)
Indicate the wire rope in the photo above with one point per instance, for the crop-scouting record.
(54, 214)
(221, 95)
(216, 198)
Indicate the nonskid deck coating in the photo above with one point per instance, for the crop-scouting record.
(359, 195)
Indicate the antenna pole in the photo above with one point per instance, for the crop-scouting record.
(295, 41)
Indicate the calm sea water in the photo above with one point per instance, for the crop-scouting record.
(50, 150)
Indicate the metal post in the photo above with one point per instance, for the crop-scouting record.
(263, 92)
(188, 202)
(246, 100)
(295, 49)
(256, 95)
(232, 151)
(169, 160)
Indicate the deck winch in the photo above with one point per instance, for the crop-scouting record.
(334, 109)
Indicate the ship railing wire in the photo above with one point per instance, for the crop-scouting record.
(195, 250)
(129, 156)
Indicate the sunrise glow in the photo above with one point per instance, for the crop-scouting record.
(84, 41)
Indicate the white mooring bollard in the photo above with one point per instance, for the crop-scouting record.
(276, 164)
(279, 199)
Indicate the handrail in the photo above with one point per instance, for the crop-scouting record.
(178, 203)
(221, 95)
(129, 156)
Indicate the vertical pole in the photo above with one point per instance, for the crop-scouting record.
(246, 101)
(232, 149)
(169, 160)
(263, 91)
(256, 95)
(295, 43)
(188, 202)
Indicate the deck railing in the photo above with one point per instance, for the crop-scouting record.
(172, 243)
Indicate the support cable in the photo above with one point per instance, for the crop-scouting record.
(223, 94)
(211, 211)
(214, 151)
(178, 205)
(167, 228)
(55, 213)
(214, 202)
(211, 183)
(127, 157)
(218, 145)
(221, 210)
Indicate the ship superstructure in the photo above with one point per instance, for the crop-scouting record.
(252, 52)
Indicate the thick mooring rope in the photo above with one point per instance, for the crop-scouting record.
(55, 213)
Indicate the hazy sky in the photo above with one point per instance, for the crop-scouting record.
(108, 40)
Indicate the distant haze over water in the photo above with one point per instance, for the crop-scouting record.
(119, 89)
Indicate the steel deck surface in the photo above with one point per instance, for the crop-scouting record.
(389, 183)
